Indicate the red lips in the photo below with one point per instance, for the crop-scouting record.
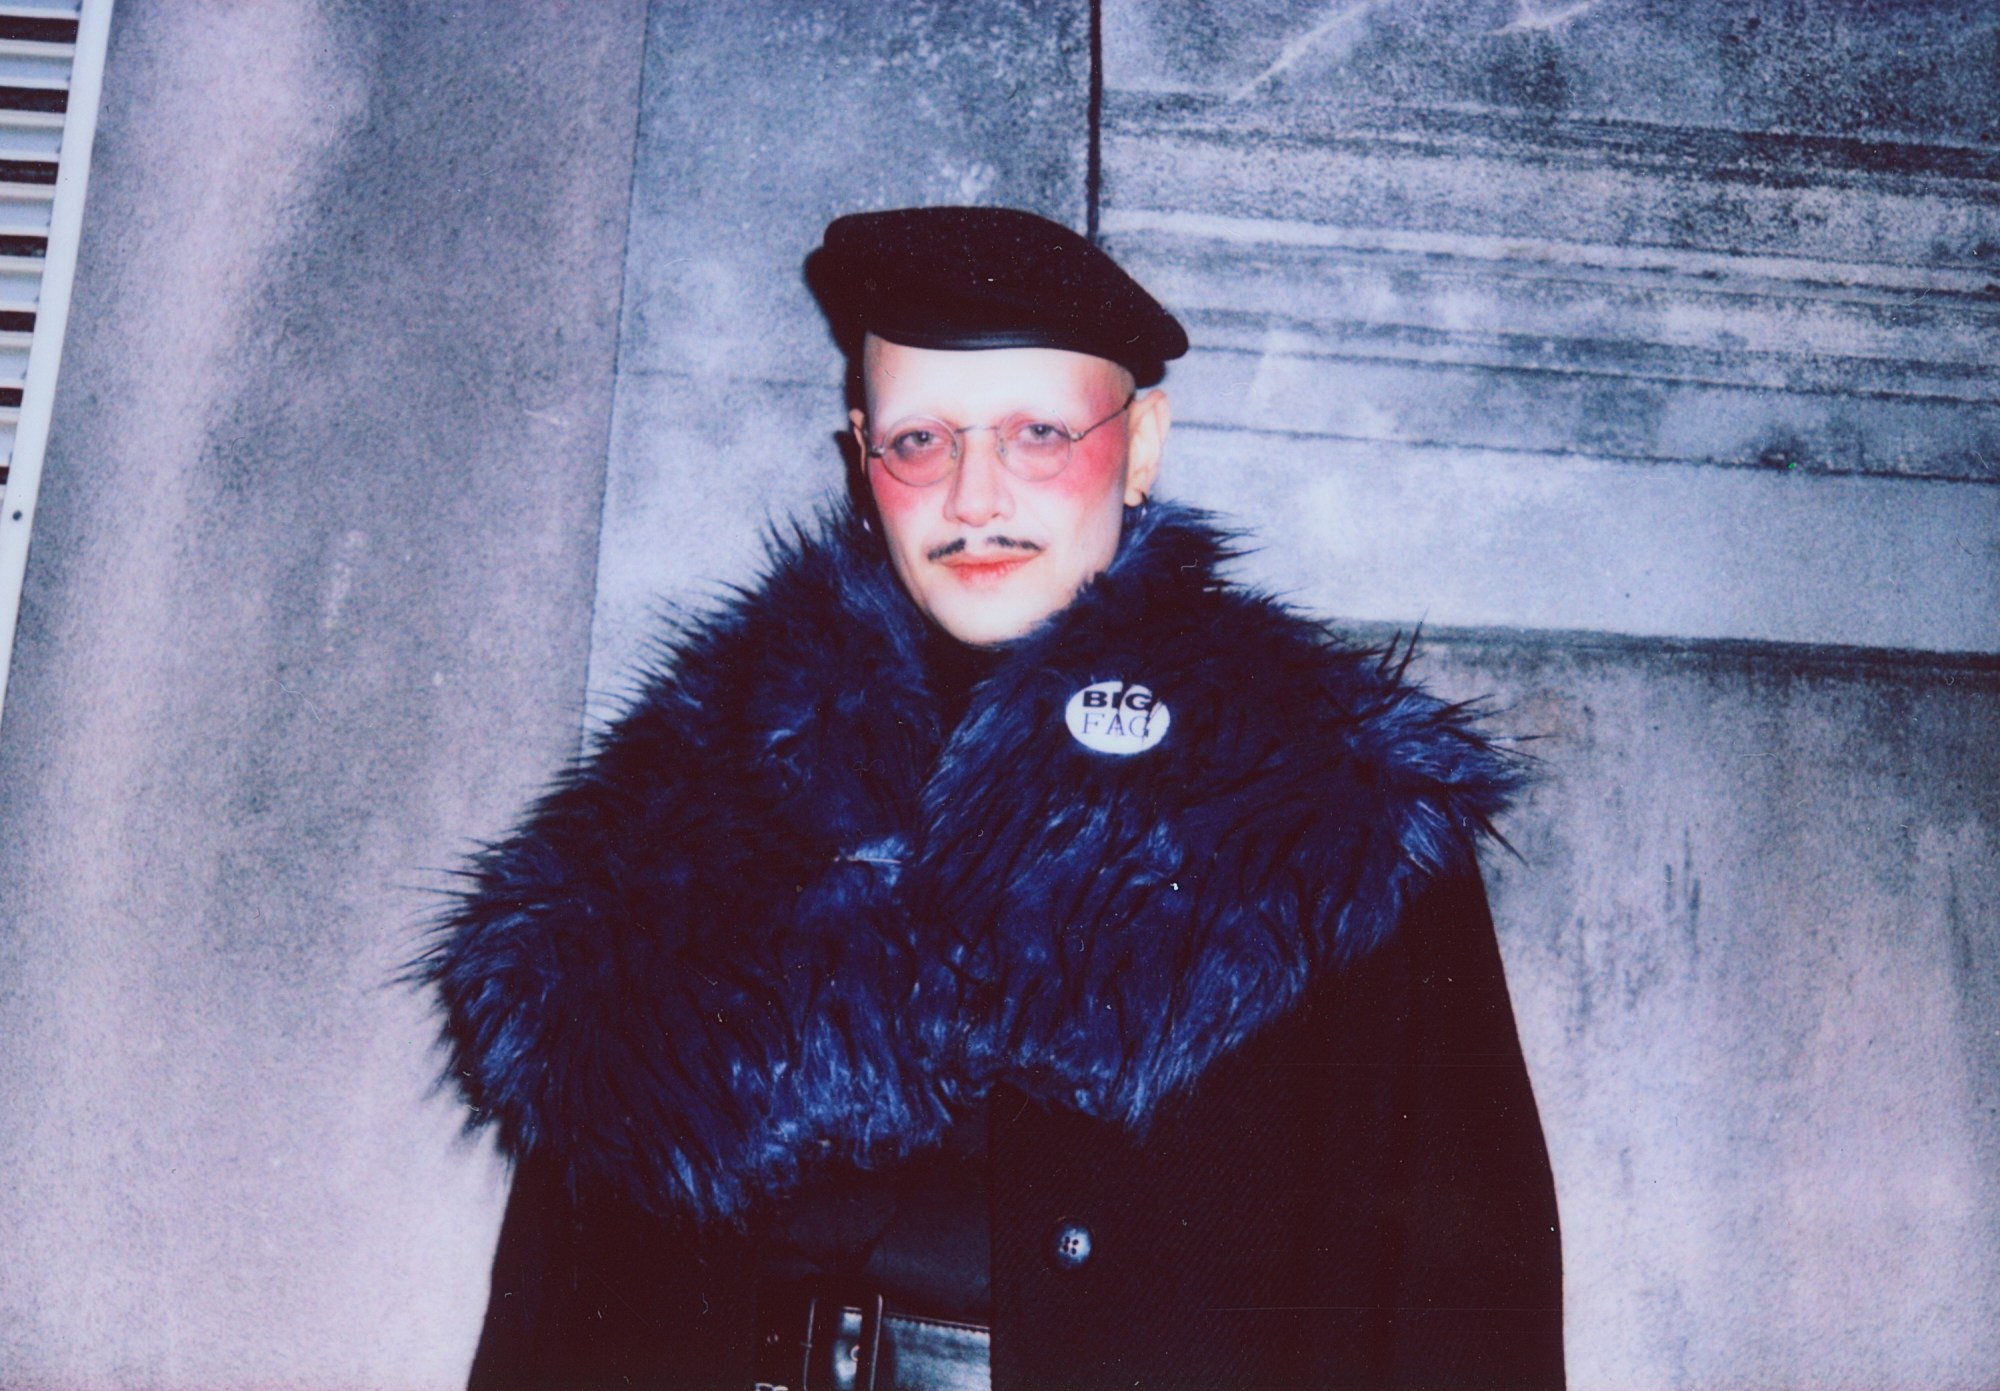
(985, 569)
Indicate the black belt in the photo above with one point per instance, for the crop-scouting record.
(833, 1340)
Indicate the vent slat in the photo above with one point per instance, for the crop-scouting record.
(23, 216)
(21, 96)
(37, 29)
(39, 144)
(39, 66)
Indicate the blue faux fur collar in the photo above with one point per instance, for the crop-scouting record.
(779, 920)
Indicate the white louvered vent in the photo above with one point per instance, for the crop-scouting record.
(51, 70)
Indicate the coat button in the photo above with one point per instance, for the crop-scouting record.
(1069, 1245)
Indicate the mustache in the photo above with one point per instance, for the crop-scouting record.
(959, 547)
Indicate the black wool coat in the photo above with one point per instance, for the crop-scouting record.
(1187, 901)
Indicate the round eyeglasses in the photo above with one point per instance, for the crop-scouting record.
(921, 450)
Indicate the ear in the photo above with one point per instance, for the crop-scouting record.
(1145, 440)
(859, 421)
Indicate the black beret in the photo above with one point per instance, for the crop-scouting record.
(970, 278)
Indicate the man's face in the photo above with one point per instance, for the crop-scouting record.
(985, 553)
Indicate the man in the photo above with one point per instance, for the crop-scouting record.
(997, 951)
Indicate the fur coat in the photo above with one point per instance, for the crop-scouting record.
(788, 915)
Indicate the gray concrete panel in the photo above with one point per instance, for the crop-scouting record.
(1466, 537)
(1754, 948)
(761, 125)
(306, 612)
(1483, 173)
(1401, 532)
(1757, 235)
(1705, 361)
(1877, 72)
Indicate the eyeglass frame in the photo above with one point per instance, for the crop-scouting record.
(959, 432)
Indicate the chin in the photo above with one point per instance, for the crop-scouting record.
(990, 624)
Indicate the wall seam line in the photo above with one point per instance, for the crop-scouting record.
(1094, 160)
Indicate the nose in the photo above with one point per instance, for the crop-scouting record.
(979, 493)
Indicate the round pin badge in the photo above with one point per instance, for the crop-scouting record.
(1112, 717)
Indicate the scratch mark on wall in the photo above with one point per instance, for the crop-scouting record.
(1340, 17)
(305, 702)
(1528, 17)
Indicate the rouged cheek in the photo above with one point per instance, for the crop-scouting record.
(894, 499)
(906, 514)
(1096, 465)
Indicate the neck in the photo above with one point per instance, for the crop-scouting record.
(955, 668)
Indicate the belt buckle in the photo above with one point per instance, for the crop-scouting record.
(841, 1346)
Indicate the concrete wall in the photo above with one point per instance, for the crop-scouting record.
(1754, 946)
(1703, 289)
(307, 609)
(1641, 348)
